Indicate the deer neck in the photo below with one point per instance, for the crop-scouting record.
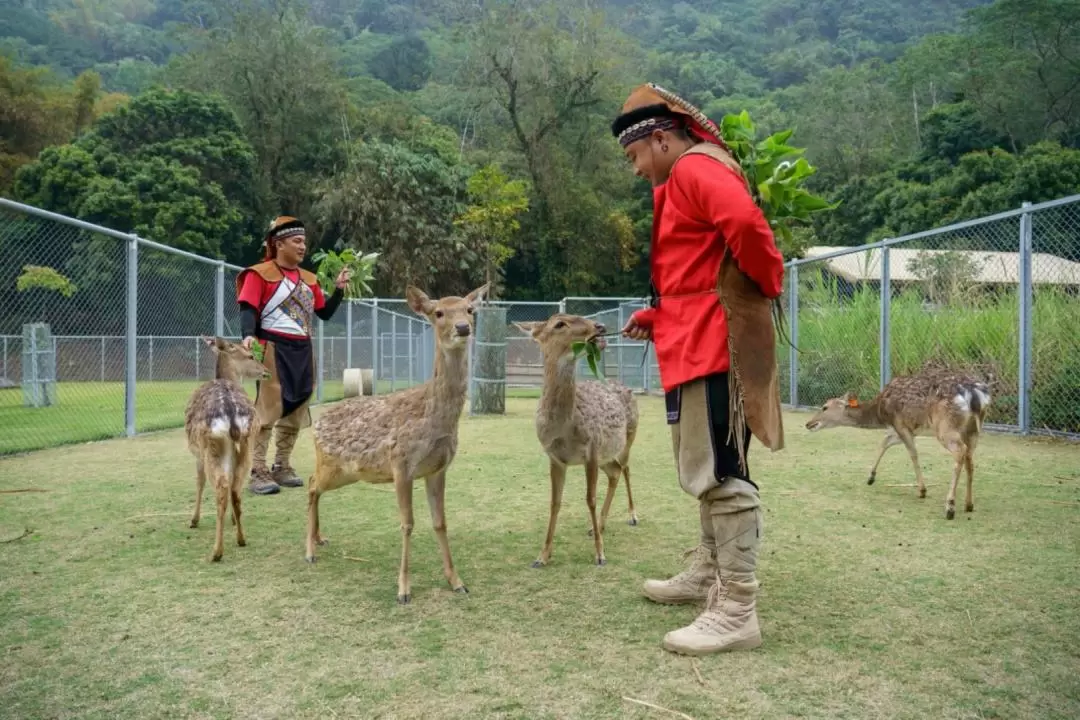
(445, 394)
(560, 385)
(224, 370)
(866, 416)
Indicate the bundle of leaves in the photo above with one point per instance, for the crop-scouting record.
(776, 173)
(329, 264)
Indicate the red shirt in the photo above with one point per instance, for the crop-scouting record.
(703, 207)
(256, 292)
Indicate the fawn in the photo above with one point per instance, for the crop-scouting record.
(949, 405)
(405, 435)
(220, 423)
(581, 423)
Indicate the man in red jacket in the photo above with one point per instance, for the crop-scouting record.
(278, 304)
(708, 234)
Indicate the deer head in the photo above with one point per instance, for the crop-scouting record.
(234, 362)
(836, 412)
(452, 317)
(557, 335)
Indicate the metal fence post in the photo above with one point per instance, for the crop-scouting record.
(884, 325)
(322, 369)
(348, 333)
(219, 300)
(793, 327)
(1025, 321)
(131, 333)
(375, 346)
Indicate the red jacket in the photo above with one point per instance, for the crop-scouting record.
(703, 207)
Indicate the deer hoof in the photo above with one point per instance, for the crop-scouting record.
(589, 532)
(194, 524)
(461, 590)
(242, 542)
(600, 562)
(950, 513)
(215, 558)
(922, 492)
(632, 522)
(310, 558)
(870, 480)
(404, 599)
(322, 542)
(969, 508)
(538, 563)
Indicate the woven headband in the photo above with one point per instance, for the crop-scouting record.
(645, 127)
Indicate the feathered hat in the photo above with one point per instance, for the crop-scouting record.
(280, 227)
(651, 107)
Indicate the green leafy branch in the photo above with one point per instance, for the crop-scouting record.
(593, 355)
(329, 264)
(45, 278)
(776, 172)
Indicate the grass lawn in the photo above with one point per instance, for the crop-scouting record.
(872, 604)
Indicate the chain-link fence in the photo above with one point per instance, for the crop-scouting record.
(100, 334)
(992, 296)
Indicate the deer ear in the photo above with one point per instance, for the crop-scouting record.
(529, 328)
(419, 301)
(478, 294)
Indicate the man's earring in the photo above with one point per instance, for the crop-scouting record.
(663, 147)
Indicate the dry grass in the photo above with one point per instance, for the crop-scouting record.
(872, 605)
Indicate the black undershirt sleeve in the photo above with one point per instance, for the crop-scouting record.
(327, 311)
(248, 317)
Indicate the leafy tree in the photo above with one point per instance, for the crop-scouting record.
(405, 64)
(491, 221)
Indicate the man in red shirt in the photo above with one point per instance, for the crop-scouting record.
(278, 303)
(715, 269)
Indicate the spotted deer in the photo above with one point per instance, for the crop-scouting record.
(945, 404)
(401, 436)
(581, 423)
(219, 424)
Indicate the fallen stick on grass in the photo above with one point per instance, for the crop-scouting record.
(697, 671)
(350, 557)
(25, 532)
(657, 707)
(22, 490)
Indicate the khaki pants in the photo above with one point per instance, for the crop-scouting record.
(705, 456)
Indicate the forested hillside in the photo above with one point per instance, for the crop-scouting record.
(466, 138)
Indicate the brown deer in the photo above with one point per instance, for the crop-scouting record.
(581, 423)
(219, 423)
(948, 405)
(401, 436)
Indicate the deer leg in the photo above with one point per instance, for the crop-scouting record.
(887, 442)
(200, 484)
(241, 471)
(909, 442)
(313, 537)
(221, 487)
(629, 496)
(959, 453)
(592, 475)
(557, 472)
(436, 496)
(403, 487)
(612, 472)
(969, 464)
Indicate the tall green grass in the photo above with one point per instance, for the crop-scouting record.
(979, 331)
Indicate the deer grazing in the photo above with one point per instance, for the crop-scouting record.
(948, 405)
(401, 436)
(581, 423)
(219, 424)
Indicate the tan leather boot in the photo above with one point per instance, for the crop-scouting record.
(282, 472)
(261, 482)
(693, 584)
(729, 621)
